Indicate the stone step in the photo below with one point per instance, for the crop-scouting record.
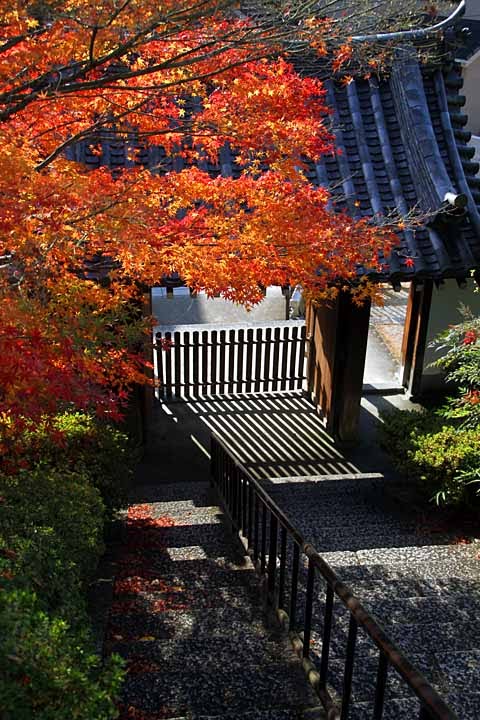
(188, 495)
(434, 562)
(368, 537)
(371, 586)
(438, 575)
(195, 678)
(309, 714)
(466, 706)
(183, 516)
(419, 610)
(330, 492)
(345, 483)
(409, 612)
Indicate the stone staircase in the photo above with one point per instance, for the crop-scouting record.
(187, 617)
(187, 612)
(423, 587)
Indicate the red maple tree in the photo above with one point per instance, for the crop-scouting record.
(74, 71)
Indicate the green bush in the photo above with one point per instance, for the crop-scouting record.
(53, 494)
(46, 673)
(460, 359)
(80, 443)
(52, 520)
(444, 458)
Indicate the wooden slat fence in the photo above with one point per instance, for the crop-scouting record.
(196, 363)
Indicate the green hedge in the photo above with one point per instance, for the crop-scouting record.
(52, 517)
(444, 458)
(46, 669)
(52, 522)
(81, 443)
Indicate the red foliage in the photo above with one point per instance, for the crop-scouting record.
(71, 71)
(138, 589)
(470, 337)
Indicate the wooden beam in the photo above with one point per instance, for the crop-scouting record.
(420, 342)
(410, 331)
(352, 338)
(338, 343)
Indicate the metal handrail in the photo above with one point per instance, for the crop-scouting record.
(243, 498)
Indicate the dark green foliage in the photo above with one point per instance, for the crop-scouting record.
(52, 520)
(46, 670)
(441, 447)
(460, 359)
(52, 514)
(443, 457)
(80, 443)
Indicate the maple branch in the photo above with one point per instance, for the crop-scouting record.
(96, 29)
(67, 86)
(85, 133)
(79, 68)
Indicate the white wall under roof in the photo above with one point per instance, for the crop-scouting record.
(475, 141)
(472, 10)
(471, 90)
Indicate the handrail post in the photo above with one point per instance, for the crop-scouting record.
(294, 586)
(283, 562)
(307, 626)
(272, 559)
(380, 686)
(327, 631)
(349, 663)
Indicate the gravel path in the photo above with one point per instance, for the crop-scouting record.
(187, 618)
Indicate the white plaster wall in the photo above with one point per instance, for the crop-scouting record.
(471, 90)
(444, 312)
(472, 9)
(475, 141)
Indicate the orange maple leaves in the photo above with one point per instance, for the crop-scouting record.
(190, 79)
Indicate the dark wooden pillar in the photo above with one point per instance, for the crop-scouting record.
(415, 335)
(338, 334)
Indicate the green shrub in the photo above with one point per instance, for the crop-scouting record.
(444, 458)
(80, 443)
(52, 520)
(46, 672)
(399, 432)
(460, 359)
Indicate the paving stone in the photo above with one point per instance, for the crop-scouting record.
(467, 706)
(190, 625)
(419, 610)
(461, 670)
(449, 554)
(369, 587)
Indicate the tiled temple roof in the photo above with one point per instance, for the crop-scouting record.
(402, 150)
